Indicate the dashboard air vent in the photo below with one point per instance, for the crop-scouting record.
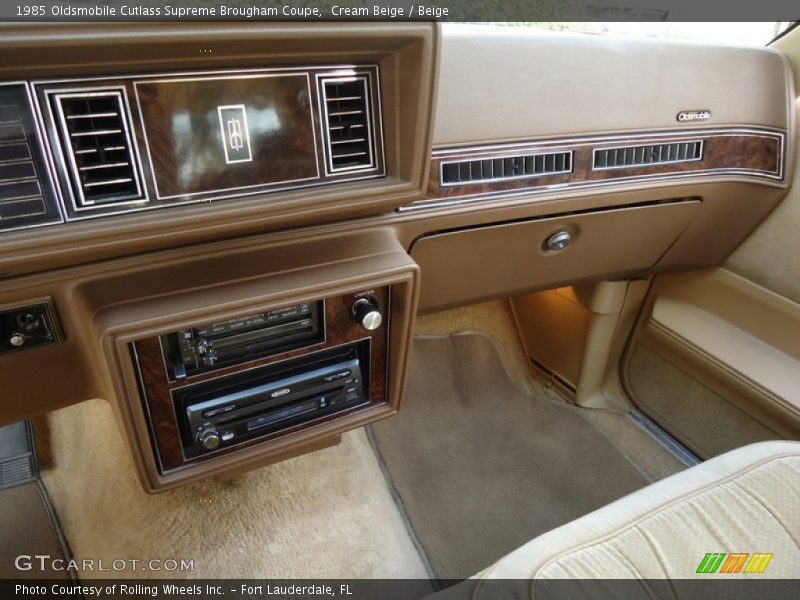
(509, 167)
(20, 190)
(98, 147)
(348, 123)
(649, 154)
(27, 198)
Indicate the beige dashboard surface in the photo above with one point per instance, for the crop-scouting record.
(583, 83)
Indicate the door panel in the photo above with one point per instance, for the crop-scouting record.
(717, 361)
(715, 356)
(770, 257)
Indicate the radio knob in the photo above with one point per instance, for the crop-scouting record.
(366, 313)
(209, 438)
(210, 358)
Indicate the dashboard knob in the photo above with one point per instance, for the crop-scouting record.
(366, 313)
(17, 340)
(209, 438)
(210, 357)
(558, 241)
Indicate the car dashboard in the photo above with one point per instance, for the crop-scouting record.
(227, 230)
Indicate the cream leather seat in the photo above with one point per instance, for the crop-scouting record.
(744, 502)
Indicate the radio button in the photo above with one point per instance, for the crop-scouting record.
(334, 377)
(179, 371)
(218, 411)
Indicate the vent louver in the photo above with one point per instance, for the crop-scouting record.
(348, 123)
(97, 144)
(649, 154)
(509, 167)
(16, 471)
(17, 456)
(20, 191)
(27, 198)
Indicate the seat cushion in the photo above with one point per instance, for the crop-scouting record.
(743, 502)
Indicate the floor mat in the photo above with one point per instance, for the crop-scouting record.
(28, 528)
(480, 466)
(706, 422)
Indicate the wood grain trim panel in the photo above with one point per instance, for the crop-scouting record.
(190, 162)
(743, 152)
(156, 388)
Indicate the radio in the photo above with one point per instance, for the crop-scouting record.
(191, 351)
(228, 410)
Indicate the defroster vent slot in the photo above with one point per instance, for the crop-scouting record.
(509, 167)
(647, 154)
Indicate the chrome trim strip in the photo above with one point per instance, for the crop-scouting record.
(420, 205)
(24, 179)
(28, 215)
(201, 74)
(568, 142)
(17, 199)
(673, 446)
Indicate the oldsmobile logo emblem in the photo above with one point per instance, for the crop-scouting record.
(694, 115)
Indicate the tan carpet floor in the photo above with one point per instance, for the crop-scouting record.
(482, 466)
(326, 514)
